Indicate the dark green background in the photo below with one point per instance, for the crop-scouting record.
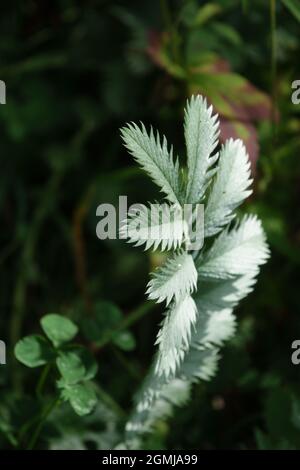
(75, 72)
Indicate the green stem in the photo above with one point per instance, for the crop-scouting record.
(273, 66)
(167, 17)
(27, 258)
(46, 413)
(44, 206)
(26, 426)
(166, 14)
(39, 390)
(126, 364)
(42, 380)
(142, 310)
(106, 398)
(244, 6)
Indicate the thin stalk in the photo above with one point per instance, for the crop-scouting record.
(244, 6)
(26, 261)
(46, 413)
(167, 18)
(273, 66)
(106, 398)
(126, 364)
(42, 380)
(134, 316)
(44, 206)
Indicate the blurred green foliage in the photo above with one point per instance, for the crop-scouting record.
(75, 72)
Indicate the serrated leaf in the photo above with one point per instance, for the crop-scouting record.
(59, 329)
(159, 226)
(239, 251)
(34, 351)
(201, 130)
(230, 187)
(82, 398)
(174, 336)
(216, 294)
(199, 364)
(215, 302)
(155, 158)
(194, 329)
(176, 392)
(161, 394)
(175, 279)
(213, 326)
(204, 368)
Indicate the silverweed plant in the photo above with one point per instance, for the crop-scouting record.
(200, 288)
(200, 283)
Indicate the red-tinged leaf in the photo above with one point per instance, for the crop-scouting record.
(257, 104)
(158, 51)
(233, 96)
(154, 47)
(235, 99)
(210, 63)
(244, 131)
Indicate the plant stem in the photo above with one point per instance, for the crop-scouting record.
(244, 6)
(45, 414)
(26, 262)
(39, 390)
(273, 66)
(42, 380)
(126, 364)
(165, 11)
(79, 247)
(46, 203)
(167, 17)
(106, 398)
(142, 310)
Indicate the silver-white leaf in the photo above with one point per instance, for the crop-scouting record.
(175, 279)
(158, 226)
(174, 337)
(176, 392)
(201, 300)
(155, 158)
(201, 130)
(236, 252)
(199, 364)
(230, 187)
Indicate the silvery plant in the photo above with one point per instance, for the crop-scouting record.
(200, 287)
